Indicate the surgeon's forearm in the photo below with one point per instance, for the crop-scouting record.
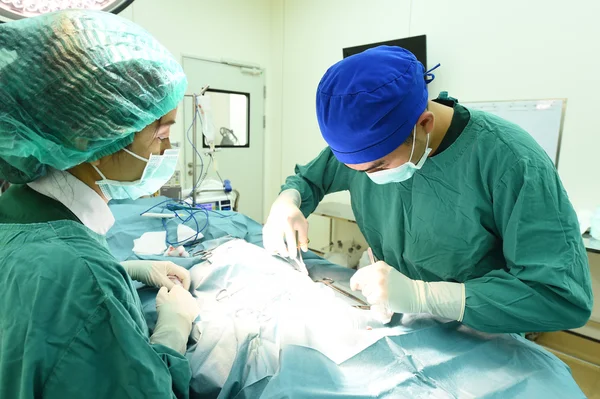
(173, 339)
(321, 176)
(501, 303)
(301, 193)
(292, 195)
(172, 331)
(443, 299)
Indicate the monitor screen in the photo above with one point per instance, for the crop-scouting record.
(415, 44)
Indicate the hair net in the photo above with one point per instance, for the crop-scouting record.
(76, 86)
(368, 103)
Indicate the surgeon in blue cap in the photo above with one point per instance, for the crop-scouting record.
(464, 210)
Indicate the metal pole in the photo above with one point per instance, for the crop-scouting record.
(194, 160)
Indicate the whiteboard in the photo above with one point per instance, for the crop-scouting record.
(543, 119)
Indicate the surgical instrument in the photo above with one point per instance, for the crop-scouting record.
(329, 282)
(297, 263)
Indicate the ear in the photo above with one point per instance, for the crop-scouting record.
(101, 161)
(427, 121)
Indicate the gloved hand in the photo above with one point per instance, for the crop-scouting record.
(285, 219)
(176, 310)
(387, 288)
(156, 273)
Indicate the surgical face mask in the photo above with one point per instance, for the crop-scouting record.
(158, 171)
(404, 171)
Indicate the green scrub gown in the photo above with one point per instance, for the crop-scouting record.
(489, 211)
(71, 323)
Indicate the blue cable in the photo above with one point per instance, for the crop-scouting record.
(429, 76)
(174, 205)
(171, 204)
(187, 135)
(187, 240)
(198, 115)
(154, 206)
(200, 177)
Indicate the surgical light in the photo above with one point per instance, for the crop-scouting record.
(11, 10)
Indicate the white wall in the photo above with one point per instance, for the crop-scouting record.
(274, 173)
(523, 50)
(232, 29)
(489, 50)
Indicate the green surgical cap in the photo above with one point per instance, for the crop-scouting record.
(76, 86)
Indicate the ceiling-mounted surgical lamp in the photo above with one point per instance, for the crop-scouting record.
(11, 10)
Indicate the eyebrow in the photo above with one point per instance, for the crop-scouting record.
(374, 166)
(167, 123)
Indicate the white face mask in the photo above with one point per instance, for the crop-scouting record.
(158, 171)
(403, 172)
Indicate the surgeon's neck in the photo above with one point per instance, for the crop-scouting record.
(443, 118)
(85, 173)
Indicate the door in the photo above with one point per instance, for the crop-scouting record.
(238, 103)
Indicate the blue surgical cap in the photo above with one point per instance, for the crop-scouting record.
(76, 86)
(368, 103)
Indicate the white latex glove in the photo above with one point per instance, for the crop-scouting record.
(285, 219)
(176, 310)
(157, 274)
(387, 288)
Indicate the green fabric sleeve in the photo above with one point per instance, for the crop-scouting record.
(179, 368)
(323, 175)
(112, 357)
(546, 283)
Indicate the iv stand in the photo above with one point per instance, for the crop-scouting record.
(194, 162)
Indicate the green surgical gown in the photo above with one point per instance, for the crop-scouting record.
(71, 323)
(489, 211)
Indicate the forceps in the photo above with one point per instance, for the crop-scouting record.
(297, 263)
(329, 282)
(204, 254)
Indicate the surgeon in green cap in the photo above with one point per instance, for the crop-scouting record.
(87, 99)
(464, 211)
